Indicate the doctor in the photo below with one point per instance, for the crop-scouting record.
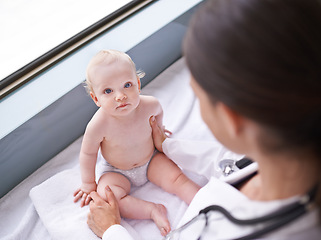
(256, 68)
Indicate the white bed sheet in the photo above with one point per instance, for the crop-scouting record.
(49, 212)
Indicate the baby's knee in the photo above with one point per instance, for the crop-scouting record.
(119, 185)
(118, 191)
(102, 191)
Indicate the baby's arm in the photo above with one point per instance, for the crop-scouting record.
(88, 157)
(158, 112)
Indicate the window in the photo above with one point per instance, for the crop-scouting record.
(30, 28)
(68, 72)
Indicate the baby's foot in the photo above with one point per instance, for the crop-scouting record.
(159, 216)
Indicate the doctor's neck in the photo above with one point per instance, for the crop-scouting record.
(282, 176)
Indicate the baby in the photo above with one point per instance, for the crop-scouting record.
(120, 135)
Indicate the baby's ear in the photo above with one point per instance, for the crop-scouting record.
(139, 84)
(95, 99)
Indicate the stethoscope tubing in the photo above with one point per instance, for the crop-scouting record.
(282, 216)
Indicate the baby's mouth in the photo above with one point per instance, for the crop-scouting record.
(123, 105)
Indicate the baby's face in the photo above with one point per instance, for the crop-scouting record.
(116, 88)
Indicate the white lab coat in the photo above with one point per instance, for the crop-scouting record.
(203, 158)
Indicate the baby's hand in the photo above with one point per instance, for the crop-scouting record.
(83, 193)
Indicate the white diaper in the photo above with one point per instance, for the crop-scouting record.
(137, 176)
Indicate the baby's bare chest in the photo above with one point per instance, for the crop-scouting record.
(133, 133)
(129, 145)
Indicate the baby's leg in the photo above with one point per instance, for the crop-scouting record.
(131, 207)
(165, 173)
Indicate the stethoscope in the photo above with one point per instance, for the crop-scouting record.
(272, 221)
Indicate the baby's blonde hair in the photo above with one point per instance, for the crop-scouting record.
(108, 56)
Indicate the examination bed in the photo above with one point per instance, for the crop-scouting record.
(49, 211)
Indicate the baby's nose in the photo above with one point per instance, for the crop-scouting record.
(120, 96)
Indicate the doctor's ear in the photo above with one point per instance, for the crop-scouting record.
(95, 99)
(234, 122)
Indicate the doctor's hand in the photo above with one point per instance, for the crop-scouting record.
(103, 214)
(159, 135)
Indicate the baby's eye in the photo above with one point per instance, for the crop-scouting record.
(127, 85)
(108, 90)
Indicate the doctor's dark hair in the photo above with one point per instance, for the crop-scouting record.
(262, 58)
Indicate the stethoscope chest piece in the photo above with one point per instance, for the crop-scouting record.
(227, 166)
